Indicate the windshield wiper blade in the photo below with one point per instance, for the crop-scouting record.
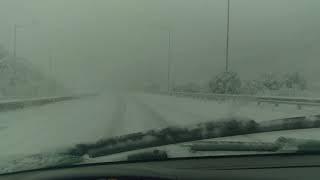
(174, 135)
(234, 146)
(148, 156)
(281, 145)
(299, 145)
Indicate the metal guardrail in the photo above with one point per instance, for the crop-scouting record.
(276, 100)
(14, 104)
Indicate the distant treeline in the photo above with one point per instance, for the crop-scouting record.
(231, 83)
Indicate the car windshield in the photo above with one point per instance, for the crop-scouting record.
(90, 81)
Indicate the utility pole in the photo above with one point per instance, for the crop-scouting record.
(15, 27)
(228, 32)
(169, 61)
(50, 61)
(51, 73)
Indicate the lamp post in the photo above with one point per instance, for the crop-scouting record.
(16, 27)
(167, 27)
(169, 60)
(228, 32)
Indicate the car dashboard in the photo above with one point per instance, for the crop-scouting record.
(244, 167)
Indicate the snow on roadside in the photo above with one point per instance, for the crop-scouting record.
(35, 137)
(188, 110)
(40, 129)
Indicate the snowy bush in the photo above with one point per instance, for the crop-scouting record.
(295, 80)
(290, 84)
(252, 87)
(226, 83)
(271, 81)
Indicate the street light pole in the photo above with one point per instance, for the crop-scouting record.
(228, 32)
(15, 32)
(53, 90)
(15, 27)
(169, 61)
(50, 63)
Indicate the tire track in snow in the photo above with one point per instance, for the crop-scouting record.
(155, 116)
(118, 117)
(175, 114)
(195, 117)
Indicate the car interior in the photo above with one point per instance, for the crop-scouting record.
(244, 167)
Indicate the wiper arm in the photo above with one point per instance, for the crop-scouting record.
(299, 145)
(281, 145)
(174, 135)
(233, 146)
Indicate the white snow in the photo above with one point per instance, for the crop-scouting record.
(56, 126)
(34, 130)
(182, 110)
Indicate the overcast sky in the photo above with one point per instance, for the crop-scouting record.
(100, 42)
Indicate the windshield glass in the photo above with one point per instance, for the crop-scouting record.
(85, 81)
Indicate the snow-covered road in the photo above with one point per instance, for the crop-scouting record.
(46, 128)
(37, 129)
(54, 126)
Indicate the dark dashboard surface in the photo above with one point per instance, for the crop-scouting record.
(117, 178)
(259, 167)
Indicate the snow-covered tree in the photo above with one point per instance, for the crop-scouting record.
(295, 80)
(252, 87)
(226, 83)
(271, 81)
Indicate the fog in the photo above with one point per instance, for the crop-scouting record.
(96, 44)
